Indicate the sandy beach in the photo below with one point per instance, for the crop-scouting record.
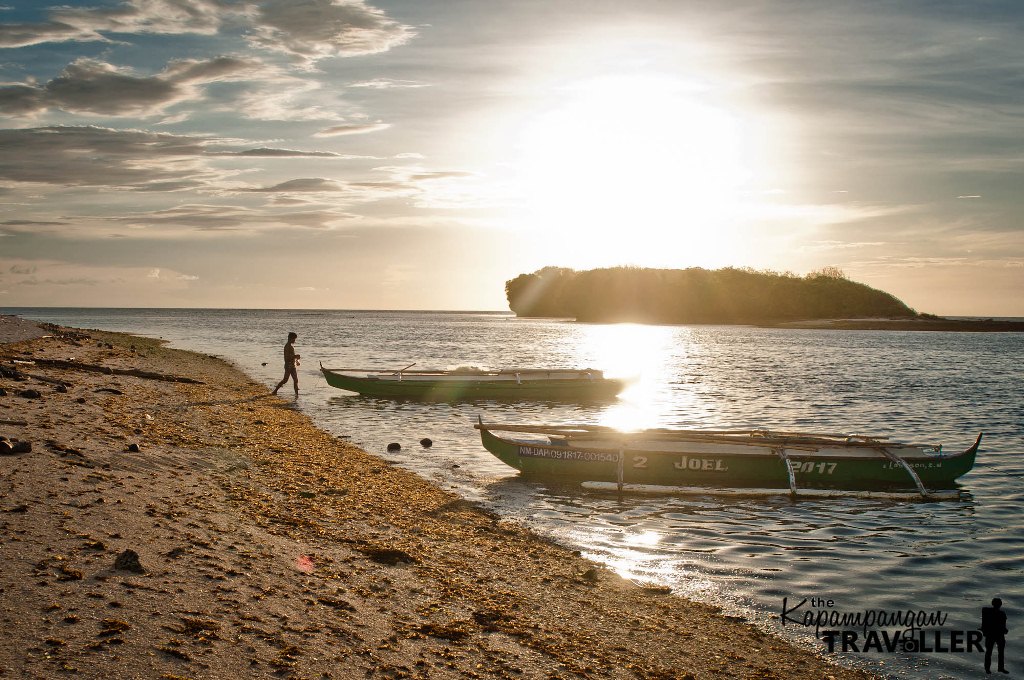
(174, 520)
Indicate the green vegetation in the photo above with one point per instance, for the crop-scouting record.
(721, 296)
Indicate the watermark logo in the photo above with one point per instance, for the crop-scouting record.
(993, 627)
(903, 631)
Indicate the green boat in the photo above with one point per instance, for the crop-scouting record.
(469, 384)
(747, 461)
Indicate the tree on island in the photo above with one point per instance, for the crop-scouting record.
(697, 295)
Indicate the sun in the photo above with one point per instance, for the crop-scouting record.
(635, 169)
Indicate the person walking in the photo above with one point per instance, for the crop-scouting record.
(291, 361)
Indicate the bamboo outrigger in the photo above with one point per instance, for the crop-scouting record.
(738, 461)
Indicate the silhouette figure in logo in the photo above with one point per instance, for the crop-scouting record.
(993, 627)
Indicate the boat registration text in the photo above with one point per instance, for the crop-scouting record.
(568, 454)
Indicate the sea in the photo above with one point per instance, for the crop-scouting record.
(902, 582)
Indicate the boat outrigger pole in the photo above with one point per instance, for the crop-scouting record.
(789, 470)
(906, 466)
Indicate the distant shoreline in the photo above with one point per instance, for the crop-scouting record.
(929, 324)
(938, 324)
(11, 324)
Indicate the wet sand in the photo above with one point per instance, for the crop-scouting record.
(205, 529)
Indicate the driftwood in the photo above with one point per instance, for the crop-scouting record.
(107, 370)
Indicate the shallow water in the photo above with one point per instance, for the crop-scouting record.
(745, 554)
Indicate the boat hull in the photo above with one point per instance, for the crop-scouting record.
(702, 464)
(468, 388)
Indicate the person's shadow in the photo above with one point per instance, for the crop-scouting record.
(993, 627)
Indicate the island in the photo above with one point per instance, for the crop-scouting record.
(823, 299)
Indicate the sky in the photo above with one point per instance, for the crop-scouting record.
(416, 154)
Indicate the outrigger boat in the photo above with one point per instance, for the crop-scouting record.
(729, 461)
(472, 383)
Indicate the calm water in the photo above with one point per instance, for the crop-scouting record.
(743, 554)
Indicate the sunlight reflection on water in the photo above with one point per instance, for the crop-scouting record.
(642, 355)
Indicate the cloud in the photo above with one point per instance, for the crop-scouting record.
(387, 84)
(897, 87)
(280, 95)
(90, 86)
(89, 157)
(352, 129)
(397, 182)
(830, 246)
(12, 225)
(281, 98)
(291, 153)
(94, 156)
(168, 17)
(192, 218)
(42, 273)
(922, 262)
(315, 184)
(157, 273)
(189, 221)
(23, 35)
(123, 159)
(309, 189)
(448, 189)
(210, 70)
(305, 29)
(433, 175)
(20, 100)
(314, 29)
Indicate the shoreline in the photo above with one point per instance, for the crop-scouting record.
(937, 324)
(265, 547)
